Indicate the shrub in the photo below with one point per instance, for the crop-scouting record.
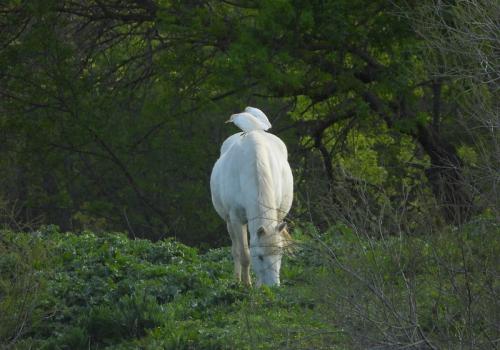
(428, 291)
(22, 285)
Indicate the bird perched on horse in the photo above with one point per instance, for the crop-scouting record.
(251, 119)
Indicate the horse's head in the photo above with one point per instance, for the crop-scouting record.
(266, 252)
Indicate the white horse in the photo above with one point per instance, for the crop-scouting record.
(252, 188)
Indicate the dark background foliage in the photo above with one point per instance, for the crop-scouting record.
(111, 113)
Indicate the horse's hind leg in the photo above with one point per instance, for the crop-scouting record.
(235, 251)
(245, 257)
(240, 251)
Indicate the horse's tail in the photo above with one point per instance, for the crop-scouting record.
(265, 183)
(289, 244)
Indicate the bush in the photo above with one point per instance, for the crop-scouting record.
(429, 291)
(22, 285)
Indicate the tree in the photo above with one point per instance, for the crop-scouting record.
(460, 41)
(113, 110)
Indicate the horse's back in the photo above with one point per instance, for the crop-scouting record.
(244, 159)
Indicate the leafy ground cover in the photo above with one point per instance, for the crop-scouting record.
(68, 291)
(340, 290)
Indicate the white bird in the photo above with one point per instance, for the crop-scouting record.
(247, 122)
(257, 113)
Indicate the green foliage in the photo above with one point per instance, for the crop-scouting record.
(22, 286)
(439, 290)
(107, 291)
(340, 289)
(113, 113)
(112, 117)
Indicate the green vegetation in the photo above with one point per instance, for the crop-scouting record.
(67, 291)
(112, 112)
(88, 290)
(111, 118)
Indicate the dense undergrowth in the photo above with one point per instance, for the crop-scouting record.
(340, 290)
(67, 291)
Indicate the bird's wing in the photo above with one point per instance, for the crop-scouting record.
(257, 113)
(248, 122)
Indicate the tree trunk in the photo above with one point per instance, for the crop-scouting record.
(449, 185)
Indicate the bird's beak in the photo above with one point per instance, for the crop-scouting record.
(228, 121)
